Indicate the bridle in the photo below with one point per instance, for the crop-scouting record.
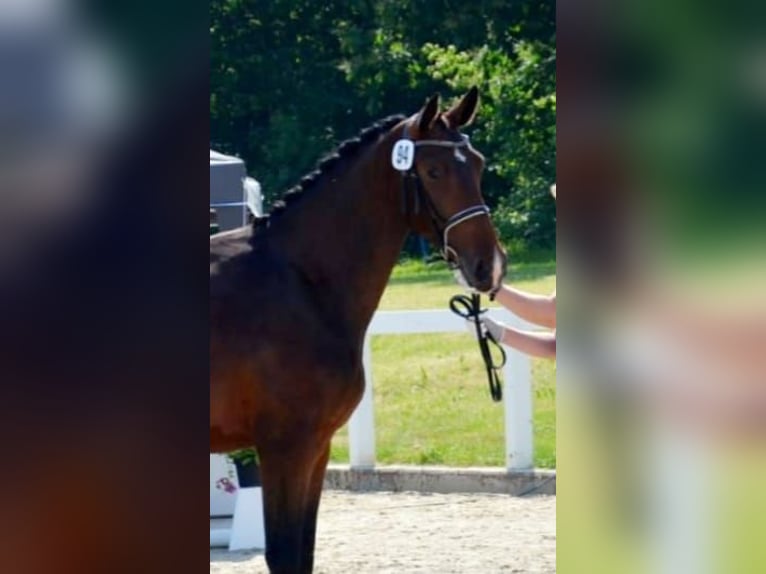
(403, 159)
(469, 308)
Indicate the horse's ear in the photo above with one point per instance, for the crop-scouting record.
(427, 113)
(464, 112)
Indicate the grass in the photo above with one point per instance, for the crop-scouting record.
(432, 405)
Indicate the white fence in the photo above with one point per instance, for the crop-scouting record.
(517, 386)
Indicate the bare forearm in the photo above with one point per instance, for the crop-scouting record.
(538, 344)
(538, 309)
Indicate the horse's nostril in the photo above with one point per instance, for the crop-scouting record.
(482, 271)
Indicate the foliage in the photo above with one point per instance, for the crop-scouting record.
(518, 132)
(245, 456)
(290, 79)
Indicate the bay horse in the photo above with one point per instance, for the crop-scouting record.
(291, 297)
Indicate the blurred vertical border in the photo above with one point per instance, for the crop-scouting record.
(103, 326)
(661, 248)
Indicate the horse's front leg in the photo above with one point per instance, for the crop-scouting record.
(286, 476)
(313, 496)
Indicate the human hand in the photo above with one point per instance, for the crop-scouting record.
(487, 325)
(495, 328)
(470, 326)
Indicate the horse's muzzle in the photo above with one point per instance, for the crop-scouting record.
(485, 274)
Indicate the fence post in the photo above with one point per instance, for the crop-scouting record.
(361, 425)
(519, 454)
(517, 399)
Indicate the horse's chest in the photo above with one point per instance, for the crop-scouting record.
(316, 378)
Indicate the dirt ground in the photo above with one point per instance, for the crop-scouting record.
(372, 533)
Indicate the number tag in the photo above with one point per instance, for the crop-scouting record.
(403, 155)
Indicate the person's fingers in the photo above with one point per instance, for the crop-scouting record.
(470, 326)
(495, 328)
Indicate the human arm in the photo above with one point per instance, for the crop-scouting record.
(534, 343)
(538, 309)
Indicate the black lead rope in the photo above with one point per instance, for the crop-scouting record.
(470, 308)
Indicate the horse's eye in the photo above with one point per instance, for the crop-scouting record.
(434, 172)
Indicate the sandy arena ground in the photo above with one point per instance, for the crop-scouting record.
(382, 533)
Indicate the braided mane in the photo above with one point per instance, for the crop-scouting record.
(347, 150)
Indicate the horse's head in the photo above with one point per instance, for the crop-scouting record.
(442, 182)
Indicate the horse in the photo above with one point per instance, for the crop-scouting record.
(292, 295)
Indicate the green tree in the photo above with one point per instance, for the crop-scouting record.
(289, 79)
(517, 132)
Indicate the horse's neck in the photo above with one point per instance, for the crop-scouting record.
(346, 236)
